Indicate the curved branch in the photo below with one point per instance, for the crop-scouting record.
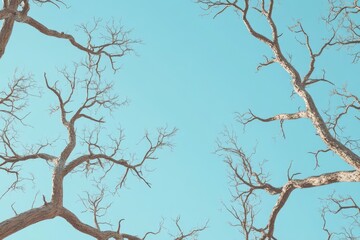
(117, 39)
(15, 159)
(8, 24)
(310, 182)
(85, 158)
(250, 116)
(23, 220)
(191, 234)
(115, 45)
(312, 111)
(87, 229)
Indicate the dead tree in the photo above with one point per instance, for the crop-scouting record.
(250, 179)
(96, 98)
(80, 96)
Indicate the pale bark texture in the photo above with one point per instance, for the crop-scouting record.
(115, 42)
(249, 179)
(81, 94)
(96, 96)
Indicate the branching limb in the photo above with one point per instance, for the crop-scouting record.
(299, 29)
(244, 10)
(87, 229)
(56, 3)
(312, 80)
(113, 43)
(245, 216)
(97, 95)
(316, 155)
(161, 141)
(243, 173)
(94, 232)
(93, 204)
(14, 99)
(99, 156)
(348, 210)
(344, 16)
(9, 9)
(310, 182)
(193, 234)
(10, 157)
(350, 102)
(23, 220)
(249, 116)
(267, 62)
(247, 180)
(312, 111)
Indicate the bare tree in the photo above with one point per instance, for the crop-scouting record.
(96, 98)
(249, 180)
(80, 96)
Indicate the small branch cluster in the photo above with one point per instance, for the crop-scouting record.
(191, 234)
(93, 204)
(57, 3)
(348, 108)
(113, 43)
(244, 215)
(344, 16)
(348, 211)
(248, 180)
(13, 99)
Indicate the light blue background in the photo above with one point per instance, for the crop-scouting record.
(191, 72)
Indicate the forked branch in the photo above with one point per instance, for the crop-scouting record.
(191, 234)
(93, 96)
(113, 43)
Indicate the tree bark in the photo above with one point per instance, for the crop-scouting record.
(26, 219)
(7, 27)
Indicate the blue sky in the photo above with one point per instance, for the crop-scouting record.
(192, 72)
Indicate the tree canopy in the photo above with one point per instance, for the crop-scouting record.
(179, 120)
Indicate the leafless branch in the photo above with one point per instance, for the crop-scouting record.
(249, 116)
(57, 3)
(343, 16)
(350, 102)
(246, 178)
(267, 62)
(299, 29)
(93, 98)
(348, 211)
(112, 43)
(93, 204)
(14, 98)
(192, 234)
(245, 216)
